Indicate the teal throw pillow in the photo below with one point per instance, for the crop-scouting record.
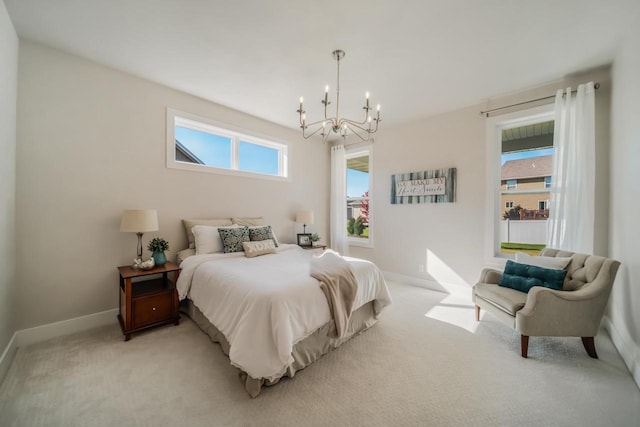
(232, 238)
(262, 233)
(523, 277)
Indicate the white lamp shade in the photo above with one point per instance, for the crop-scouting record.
(139, 220)
(304, 217)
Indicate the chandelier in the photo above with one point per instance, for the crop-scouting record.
(337, 124)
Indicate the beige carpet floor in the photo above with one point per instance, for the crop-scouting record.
(426, 363)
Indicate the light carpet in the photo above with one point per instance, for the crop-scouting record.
(426, 363)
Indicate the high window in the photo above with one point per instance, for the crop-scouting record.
(359, 221)
(199, 144)
(520, 162)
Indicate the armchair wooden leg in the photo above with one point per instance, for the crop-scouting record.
(477, 313)
(590, 346)
(524, 345)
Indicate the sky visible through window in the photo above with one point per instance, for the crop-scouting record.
(516, 155)
(215, 150)
(357, 183)
(258, 158)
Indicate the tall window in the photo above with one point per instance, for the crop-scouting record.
(199, 144)
(359, 222)
(520, 168)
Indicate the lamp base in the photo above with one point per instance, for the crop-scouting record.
(139, 245)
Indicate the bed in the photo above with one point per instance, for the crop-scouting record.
(269, 315)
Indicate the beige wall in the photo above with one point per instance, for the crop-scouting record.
(91, 142)
(448, 239)
(624, 309)
(8, 87)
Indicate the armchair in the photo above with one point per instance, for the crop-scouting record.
(576, 311)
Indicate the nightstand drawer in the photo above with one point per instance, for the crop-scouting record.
(152, 309)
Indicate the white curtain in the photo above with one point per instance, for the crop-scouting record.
(338, 206)
(572, 200)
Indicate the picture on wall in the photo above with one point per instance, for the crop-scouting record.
(434, 186)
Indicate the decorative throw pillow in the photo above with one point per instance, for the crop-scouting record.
(558, 263)
(262, 233)
(190, 223)
(260, 247)
(523, 277)
(232, 238)
(207, 239)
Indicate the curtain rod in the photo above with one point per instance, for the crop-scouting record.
(486, 113)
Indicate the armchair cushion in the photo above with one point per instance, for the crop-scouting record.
(506, 299)
(523, 277)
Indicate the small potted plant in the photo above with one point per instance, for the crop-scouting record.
(315, 237)
(157, 246)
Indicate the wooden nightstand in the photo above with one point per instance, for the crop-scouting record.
(310, 248)
(147, 302)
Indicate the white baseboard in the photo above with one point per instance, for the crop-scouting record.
(624, 343)
(65, 327)
(7, 357)
(449, 288)
(53, 330)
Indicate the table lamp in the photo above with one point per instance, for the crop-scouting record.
(304, 218)
(139, 221)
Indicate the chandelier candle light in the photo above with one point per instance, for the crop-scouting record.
(339, 125)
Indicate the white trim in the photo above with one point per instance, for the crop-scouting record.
(623, 342)
(53, 330)
(7, 357)
(236, 134)
(493, 201)
(65, 327)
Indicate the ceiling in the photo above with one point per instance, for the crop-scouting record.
(417, 58)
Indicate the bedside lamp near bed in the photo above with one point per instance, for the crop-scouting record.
(304, 218)
(139, 221)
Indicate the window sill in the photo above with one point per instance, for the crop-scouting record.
(361, 243)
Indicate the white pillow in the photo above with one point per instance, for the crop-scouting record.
(207, 239)
(556, 263)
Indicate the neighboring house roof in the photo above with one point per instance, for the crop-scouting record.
(533, 167)
(189, 156)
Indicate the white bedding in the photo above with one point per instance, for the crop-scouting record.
(265, 305)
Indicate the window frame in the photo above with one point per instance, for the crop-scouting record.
(507, 203)
(236, 134)
(547, 183)
(511, 184)
(359, 151)
(493, 203)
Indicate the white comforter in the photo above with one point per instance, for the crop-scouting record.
(265, 305)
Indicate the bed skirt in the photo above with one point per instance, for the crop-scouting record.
(304, 353)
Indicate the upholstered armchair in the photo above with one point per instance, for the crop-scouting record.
(575, 311)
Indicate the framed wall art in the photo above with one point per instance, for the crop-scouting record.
(434, 186)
